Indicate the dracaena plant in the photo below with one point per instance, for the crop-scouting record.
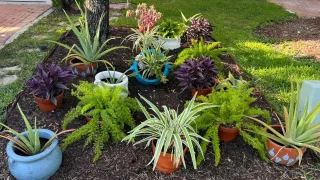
(199, 28)
(296, 131)
(148, 39)
(49, 81)
(151, 62)
(89, 50)
(146, 16)
(29, 144)
(197, 73)
(171, 29)
(199, 49)
(170, 130)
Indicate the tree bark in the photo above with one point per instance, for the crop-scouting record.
(97, 8)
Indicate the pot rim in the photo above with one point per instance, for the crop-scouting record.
(82, 63)
(106, 75)
(170, 39)
(42, 99)
(43, 133)
(134, 68)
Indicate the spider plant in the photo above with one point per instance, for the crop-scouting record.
(170, 130)
(29, 145)
(296, 132)
(147, 39)
(89, 50)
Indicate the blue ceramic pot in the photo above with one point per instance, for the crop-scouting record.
(142, 80)
(36, 167)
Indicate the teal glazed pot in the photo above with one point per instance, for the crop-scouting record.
(37, 167)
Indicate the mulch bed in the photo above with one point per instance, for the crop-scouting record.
(123, 161)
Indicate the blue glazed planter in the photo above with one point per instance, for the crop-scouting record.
(36, 167)
(142, 80)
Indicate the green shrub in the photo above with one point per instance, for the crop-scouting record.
(235, 103)
(199, 49)
(109, 111)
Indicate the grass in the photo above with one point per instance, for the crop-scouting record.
(16, 53)
(235, 22)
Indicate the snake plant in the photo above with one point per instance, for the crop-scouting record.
(170, 130)
(29, 145)
(296, 132)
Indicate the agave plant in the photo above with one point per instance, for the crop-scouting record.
(147, 39)
(89, 50)
(29, 145)
(170, 130)
(296, 132)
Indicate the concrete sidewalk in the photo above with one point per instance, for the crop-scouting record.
(303, 8)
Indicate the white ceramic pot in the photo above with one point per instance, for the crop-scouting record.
(117, 75)
(170, 43)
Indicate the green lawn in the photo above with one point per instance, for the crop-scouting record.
(234, 23)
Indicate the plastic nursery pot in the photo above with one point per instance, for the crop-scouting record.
(83, 70)
(142, 80)
(201, 92)
(37, 167)
(170, 43)
(117, 75)
(227, 134)
(165, 163)
(282, 155)
(47, 104)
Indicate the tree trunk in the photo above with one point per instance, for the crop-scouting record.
(97, 8)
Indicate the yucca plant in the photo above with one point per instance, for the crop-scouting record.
(296, 132)
(147, 39)
(89, 50)
(29, 145)
(170, 130)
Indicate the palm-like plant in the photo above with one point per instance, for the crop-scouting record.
(296, 132)
(171, 130)
(147, 39)
(89, 50)
(29, 145)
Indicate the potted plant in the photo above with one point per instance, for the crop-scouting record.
(145, 16)
(227, 121)
(148, 39)
(84, 59)
(199, 49)
(288, 141)
(170, 33)
(108, 113)
(169, 131)
(32, 151)
(198, 29)
(230, 80)
(48, 85)
(198, 74)
(151, 66)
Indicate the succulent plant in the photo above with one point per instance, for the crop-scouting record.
(197, 73)
(49, 81)
(199, 28)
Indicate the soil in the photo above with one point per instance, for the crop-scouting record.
(43, 141)
(303, 33)
(124, 161)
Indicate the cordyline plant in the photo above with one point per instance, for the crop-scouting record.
(30, 144)
(199, 28)
(170, 130)
(296, 132)
(49, 81)
(197, 73)
(89, 50)
(145, 16)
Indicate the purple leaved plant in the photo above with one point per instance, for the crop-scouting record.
(49, 81)
(199, 28)
(197, 73)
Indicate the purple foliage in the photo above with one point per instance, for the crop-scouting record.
(199, 28)
(197, 73)
(49, 81)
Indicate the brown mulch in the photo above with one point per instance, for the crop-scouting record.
(304, 34)
(122, 161)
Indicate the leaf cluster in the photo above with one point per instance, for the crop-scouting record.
(171, 29)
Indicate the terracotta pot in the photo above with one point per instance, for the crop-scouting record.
(83, 70)
(201, 92)
(165, 164)
(141, 29)
(227, 134)
(47, 104)
(285, 156)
